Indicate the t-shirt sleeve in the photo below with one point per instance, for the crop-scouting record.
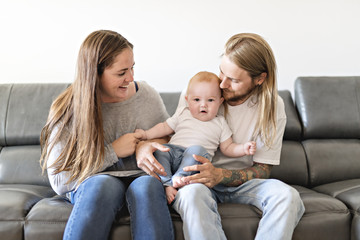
(174, 119)
(226, 131)
(272, 155)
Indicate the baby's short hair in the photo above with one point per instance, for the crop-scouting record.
(203, 77)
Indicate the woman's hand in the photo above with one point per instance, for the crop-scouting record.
(125, 145)
(208, 174)
(145, 158)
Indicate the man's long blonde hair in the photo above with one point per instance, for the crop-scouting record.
(76, 114)
(253, 54)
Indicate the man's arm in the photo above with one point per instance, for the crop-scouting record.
(211, 176)
(233, 178)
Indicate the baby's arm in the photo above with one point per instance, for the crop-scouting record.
(231, 149)
(158, 131)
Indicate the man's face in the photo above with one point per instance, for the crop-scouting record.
(236, 83)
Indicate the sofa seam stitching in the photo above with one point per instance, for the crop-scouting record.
(6, 114)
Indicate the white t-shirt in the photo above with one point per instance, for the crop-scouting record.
(242, 120)
(190, 131)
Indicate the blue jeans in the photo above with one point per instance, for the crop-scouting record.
(176, 159)
(99, 198)
(281, 205)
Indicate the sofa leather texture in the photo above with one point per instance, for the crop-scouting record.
(320, 158)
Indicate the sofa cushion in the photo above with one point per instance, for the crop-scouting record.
(332, 160)
(42, 225)
(325, 217)
(20, 164)
(17, 199)
(12, 230)
(329, 106)
(293, 125)
(28, 110)
(355, 227)
(347, 191)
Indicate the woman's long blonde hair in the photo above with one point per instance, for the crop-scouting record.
(76, 114)
(252, 53)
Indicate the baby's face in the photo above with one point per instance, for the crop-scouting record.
(204, 100)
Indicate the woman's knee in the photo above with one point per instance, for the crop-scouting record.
(145, 186)
(104, 186)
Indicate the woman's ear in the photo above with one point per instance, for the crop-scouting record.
(261, 79)
(221, 100)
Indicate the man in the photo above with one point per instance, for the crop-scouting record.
(255, 112)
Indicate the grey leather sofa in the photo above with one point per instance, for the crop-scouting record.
(320, 158)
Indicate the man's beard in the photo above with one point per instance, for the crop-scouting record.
(236, 99)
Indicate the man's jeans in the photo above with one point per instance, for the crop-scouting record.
(281, 206)
(99, 198)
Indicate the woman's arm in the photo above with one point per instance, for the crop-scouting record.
(145, 157)
(125, 145)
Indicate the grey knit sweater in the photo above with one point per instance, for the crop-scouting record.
(143, 110)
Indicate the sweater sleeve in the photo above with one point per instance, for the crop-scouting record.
(58, 181)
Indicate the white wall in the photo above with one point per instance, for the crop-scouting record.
(39, 39)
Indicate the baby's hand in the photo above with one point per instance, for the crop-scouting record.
(250, 148)
(141, 133)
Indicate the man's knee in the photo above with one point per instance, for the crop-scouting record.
(194, 194)
(287, 194)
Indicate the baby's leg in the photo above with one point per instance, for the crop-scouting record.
(164, 159)
(188, 160)
(170, 193)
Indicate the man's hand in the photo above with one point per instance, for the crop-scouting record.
(209, 175)
(145, 158)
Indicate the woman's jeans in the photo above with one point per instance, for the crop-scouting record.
(99, 198)
(280, 204)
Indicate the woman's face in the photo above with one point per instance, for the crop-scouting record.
(114, 82)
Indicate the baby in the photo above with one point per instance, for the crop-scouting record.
(197, 129)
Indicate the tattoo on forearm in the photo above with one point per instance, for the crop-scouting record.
(234, 178)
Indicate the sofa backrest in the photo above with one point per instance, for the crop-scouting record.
(293, 166)
(329, 109)
(23, 112)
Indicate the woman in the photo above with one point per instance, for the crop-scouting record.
(90, 129)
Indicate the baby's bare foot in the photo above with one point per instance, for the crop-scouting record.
(177, 182)
(170, 194)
